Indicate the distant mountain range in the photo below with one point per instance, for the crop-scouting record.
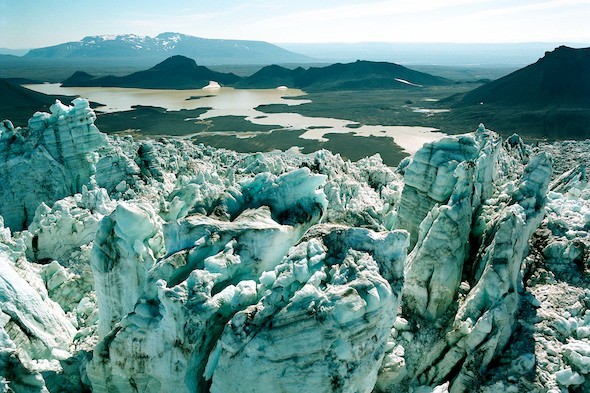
(205, 51)
(359, 75)
(13, 52)
(549, 98)
(179, 72)
(176, 72)
(551, 95)
(421, 53)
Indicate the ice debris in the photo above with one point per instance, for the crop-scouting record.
(169, 266)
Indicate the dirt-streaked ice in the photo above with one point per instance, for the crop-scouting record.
(159, 266)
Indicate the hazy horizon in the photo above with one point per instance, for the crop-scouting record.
(31, 24)
(335, 43)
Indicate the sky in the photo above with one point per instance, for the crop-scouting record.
(38, 23)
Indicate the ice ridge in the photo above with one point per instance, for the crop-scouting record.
(160, 266)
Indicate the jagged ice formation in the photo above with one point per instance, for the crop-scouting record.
(169, 266)
(63, 143)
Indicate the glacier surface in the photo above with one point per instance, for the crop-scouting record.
(158, 266)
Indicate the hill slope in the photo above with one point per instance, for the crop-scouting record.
(179, 72)
(176, 72)
(366, 75)
(205, 51)
(17, 103)
(549, 98)
(270, 77)
(561, 77)
(360, 75)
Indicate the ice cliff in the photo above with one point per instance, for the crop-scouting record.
(63, 143)
(160, 266)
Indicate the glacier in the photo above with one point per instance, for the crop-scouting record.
(159, 265)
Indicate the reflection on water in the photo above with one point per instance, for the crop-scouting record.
(228, 101)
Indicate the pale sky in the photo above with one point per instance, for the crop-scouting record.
(37, 23)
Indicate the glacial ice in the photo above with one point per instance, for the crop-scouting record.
(30, 317)
(429, 179)
(63, 143)
(160, 266)
(326, 314)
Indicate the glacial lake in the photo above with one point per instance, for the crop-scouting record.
(227, 101)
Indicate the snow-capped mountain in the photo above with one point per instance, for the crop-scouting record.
(205, 51)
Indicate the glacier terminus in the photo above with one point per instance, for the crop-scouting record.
(163, 265)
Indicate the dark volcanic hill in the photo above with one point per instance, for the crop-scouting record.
(179, 72)
(360, 75)
(176, 72)
(270, 77)
(561, 77)
(17, 103)
(130, 48)
(366, 75)
(550, 98)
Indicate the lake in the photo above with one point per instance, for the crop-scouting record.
(227, 101)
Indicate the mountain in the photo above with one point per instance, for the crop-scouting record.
(81, 78)
(176, 72)
(359, 75)
(551, 96)
(561, 77)
(472, 55)
(179, 72)
(270, 77)
(134, 47)
(366, 75)
(7, 60)
(17, 103)
(13, 52)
